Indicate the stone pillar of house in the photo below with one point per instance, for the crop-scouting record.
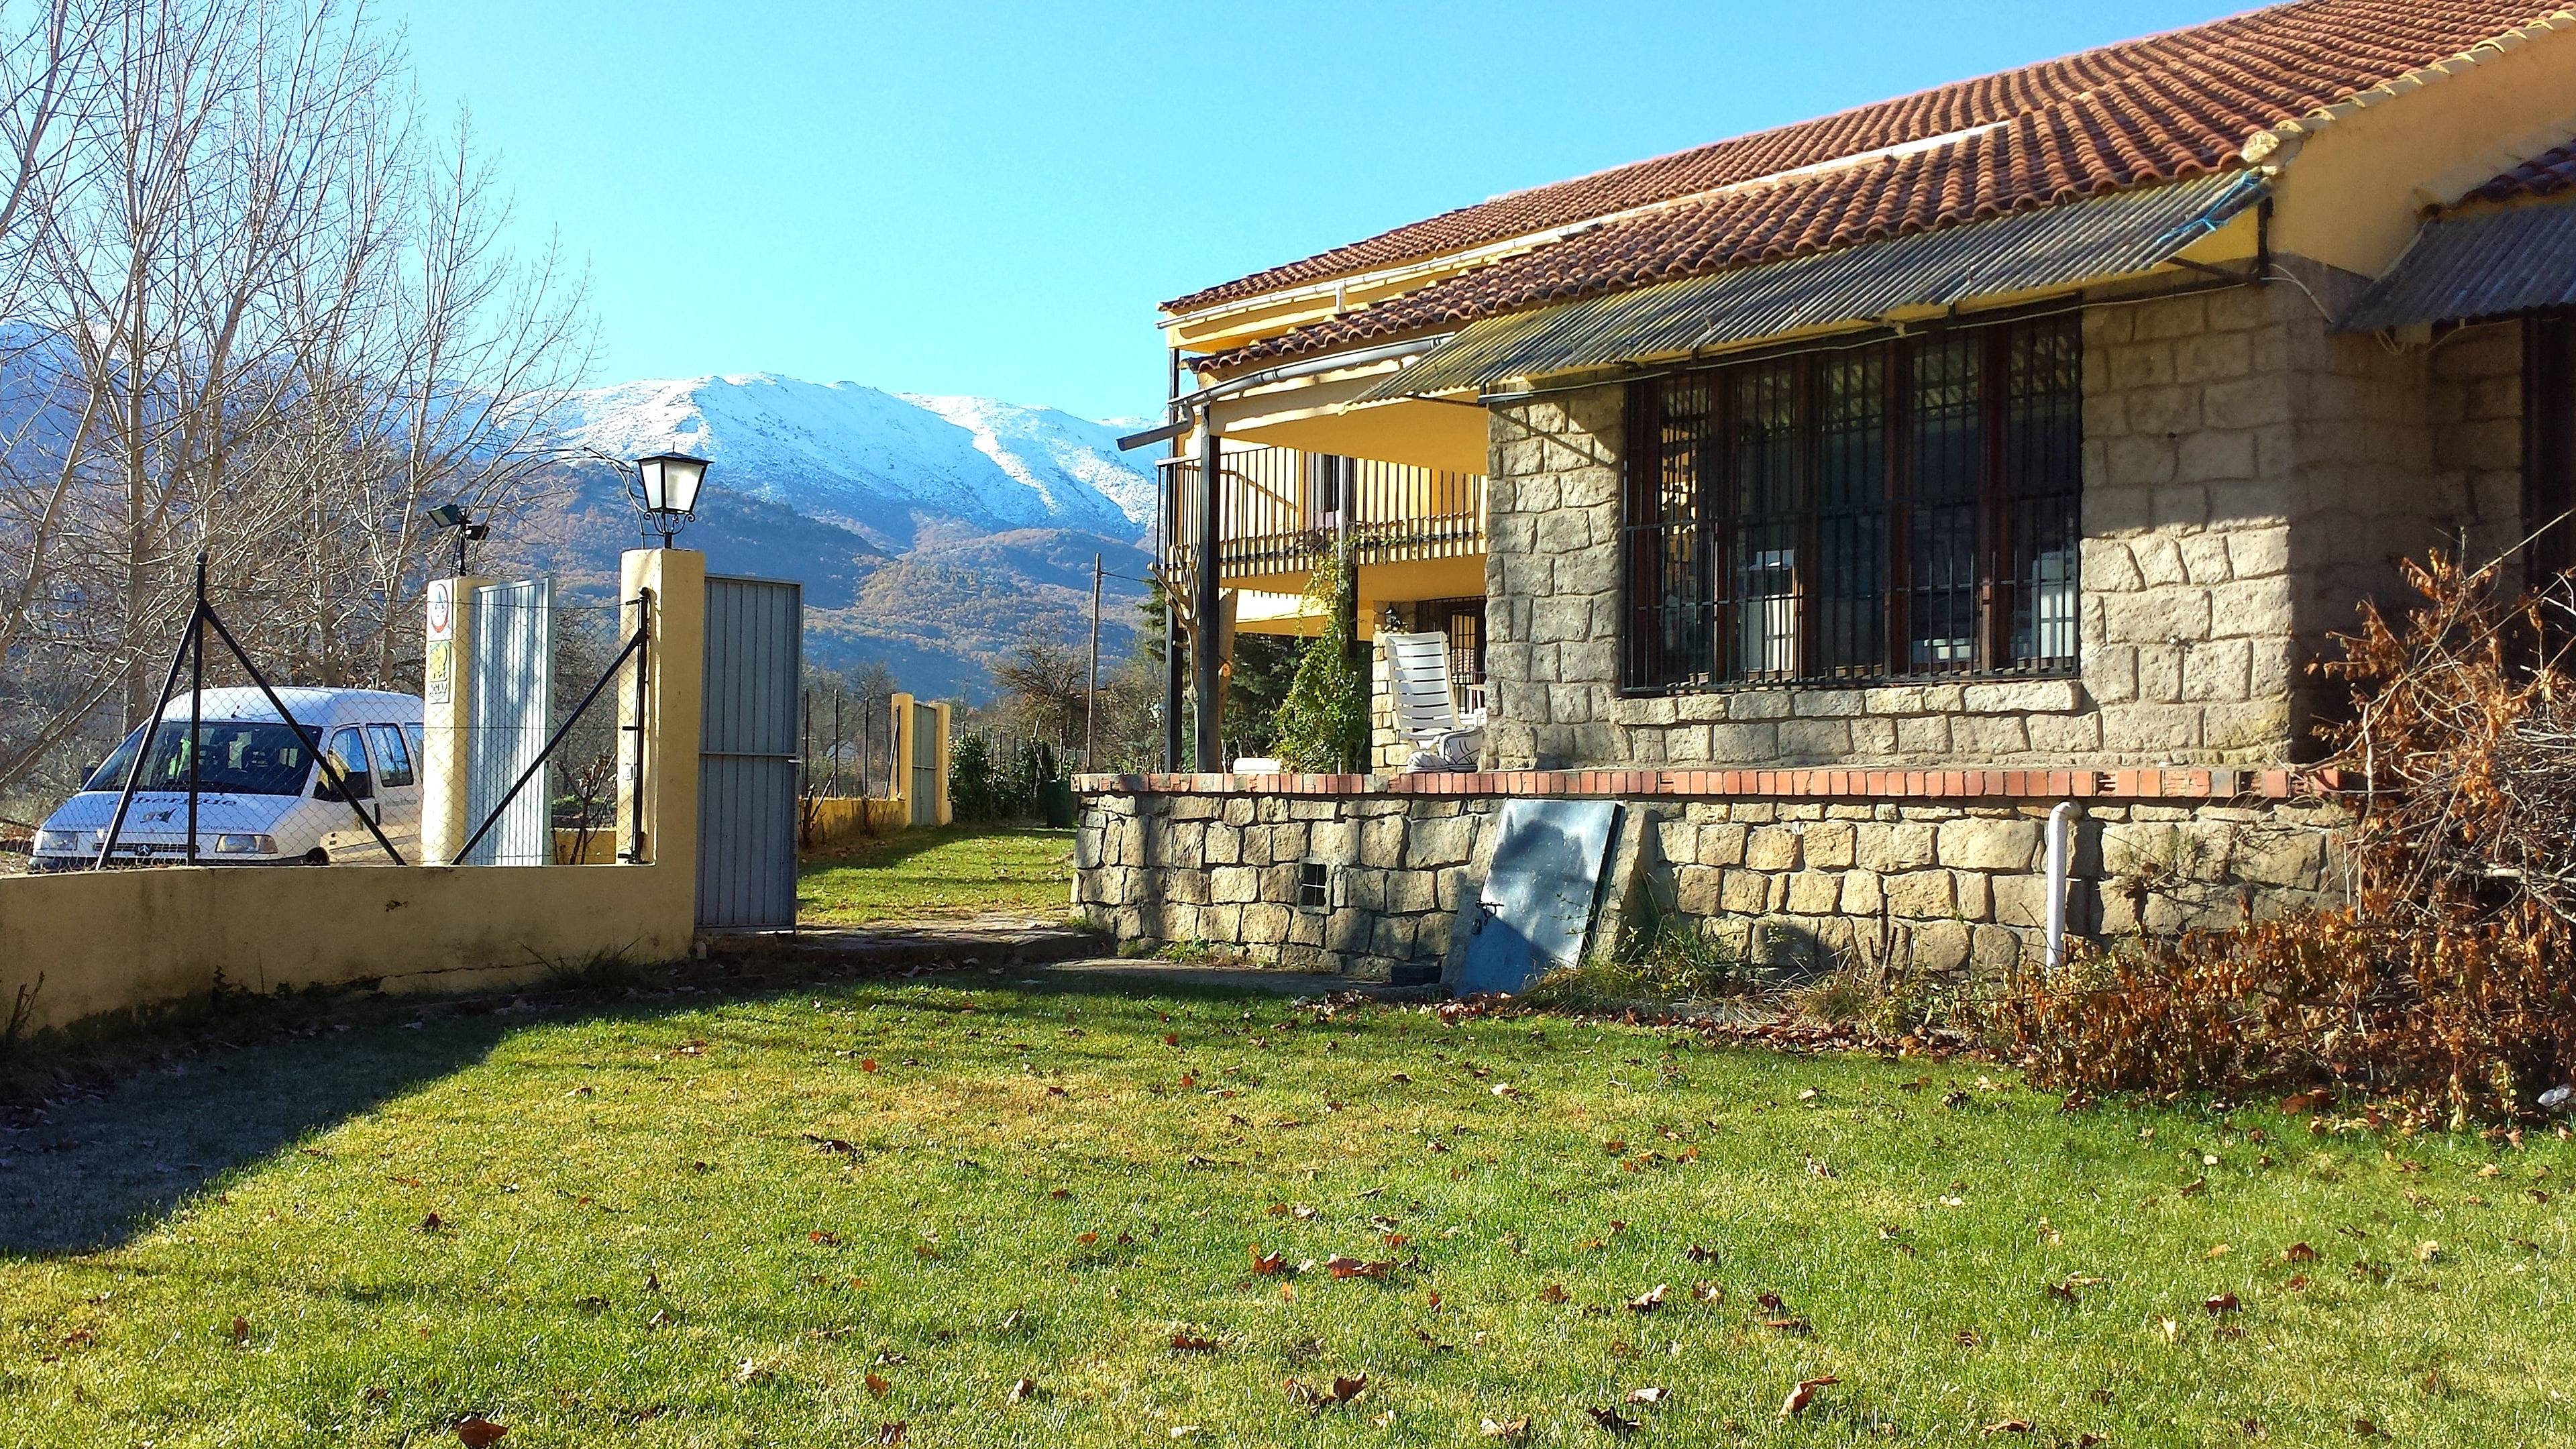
(447, 692)
(658, 726)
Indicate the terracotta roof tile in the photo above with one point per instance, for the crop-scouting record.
(2546, 174)
(2143, 111)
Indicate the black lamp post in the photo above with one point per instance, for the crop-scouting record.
(666, 491)
(450, 515)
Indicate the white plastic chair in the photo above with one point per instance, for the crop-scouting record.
(1426, 709)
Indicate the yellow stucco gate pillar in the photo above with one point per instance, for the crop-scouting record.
(925, 802)
(447, 693)
(658, 824)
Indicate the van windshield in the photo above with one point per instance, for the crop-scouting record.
(242, 757)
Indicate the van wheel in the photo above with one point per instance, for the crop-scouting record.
(317, 856)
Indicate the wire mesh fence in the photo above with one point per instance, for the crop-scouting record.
(849, 746)
(510, 755)
(534, 701)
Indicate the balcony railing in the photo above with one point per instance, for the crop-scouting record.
(1283, 510)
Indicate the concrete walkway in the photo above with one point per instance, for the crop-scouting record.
(1042, 950)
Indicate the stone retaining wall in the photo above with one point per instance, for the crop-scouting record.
(1949, 888)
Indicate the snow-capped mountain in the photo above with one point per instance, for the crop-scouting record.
(931, 533)
(887, 465)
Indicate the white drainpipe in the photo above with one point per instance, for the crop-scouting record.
(2057, 858)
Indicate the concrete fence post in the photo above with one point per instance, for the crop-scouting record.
(944, 813)
(664, 724)
(902, 734)
(447, 717)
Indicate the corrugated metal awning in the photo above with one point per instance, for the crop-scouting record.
(2463, 268)
(2078, 241)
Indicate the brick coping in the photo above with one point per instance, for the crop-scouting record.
(2167, 783)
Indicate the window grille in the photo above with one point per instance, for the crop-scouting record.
(1906, 508)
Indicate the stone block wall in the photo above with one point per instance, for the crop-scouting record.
(2249, 476)
(1959, 890)
(2475, 410)
(1950, 889)
(1228, 871)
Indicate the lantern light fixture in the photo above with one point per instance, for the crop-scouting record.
(667, 491)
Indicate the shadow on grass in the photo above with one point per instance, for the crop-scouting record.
(89, 1172)
(178, 1113)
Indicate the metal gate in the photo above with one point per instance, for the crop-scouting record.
(747, 753)
(513, 698)
(922, 790)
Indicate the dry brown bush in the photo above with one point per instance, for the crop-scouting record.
(2445, 983)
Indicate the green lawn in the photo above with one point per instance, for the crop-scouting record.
(799, 1218)
(951, 871)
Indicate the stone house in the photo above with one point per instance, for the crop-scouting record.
(1843, 498)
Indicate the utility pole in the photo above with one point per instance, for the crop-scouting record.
(1091, 700)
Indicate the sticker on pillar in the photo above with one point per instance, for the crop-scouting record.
(438, 672)
(1535, 907)
(438, 658)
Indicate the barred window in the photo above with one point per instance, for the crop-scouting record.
(1905, 508)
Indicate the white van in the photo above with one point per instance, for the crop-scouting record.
(260, 799)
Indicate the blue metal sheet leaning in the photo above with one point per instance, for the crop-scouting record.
(1536, 904)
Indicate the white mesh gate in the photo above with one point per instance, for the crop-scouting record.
(512, 683)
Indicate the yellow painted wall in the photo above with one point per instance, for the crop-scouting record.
(832, 824)
(116, 941)
(2352, 193)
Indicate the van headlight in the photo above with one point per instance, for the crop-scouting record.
(245, 845)
(67, 842)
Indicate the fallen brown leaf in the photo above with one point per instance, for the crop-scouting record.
(1510, 1431)
(1650, 1300)
(1651, 1394)
(479, 1432)
(2006, 1426)
(1024, 1390)
(1612, 1420)
(878, 1386)
(1804, 1394)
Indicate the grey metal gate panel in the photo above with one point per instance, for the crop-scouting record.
(921, 792)
(747, 753)
(512, 640)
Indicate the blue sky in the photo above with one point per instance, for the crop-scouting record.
(990, 198)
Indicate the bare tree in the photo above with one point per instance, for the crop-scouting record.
(259, 315)
(1044, 683)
